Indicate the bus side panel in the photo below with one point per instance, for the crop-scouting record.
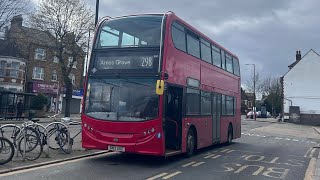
(203, 127)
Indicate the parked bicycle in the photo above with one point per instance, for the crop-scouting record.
(29, 141)
(6, 150)
(59, 135)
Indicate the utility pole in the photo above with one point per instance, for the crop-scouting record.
(97, 12)
(254, 90)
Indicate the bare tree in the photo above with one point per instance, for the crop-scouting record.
(69, 22)
(250, 83)
(10, 8)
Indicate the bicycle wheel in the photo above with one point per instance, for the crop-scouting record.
(6, 150)
(63, 138)
(52, 136)
(10, 132)
(28, 131)
(32, 144)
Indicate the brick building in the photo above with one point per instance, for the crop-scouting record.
(43, 70)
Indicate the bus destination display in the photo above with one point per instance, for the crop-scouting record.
(126, 62)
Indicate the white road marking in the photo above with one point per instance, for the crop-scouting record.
(312, 152)
(215, 157)
(225, 150)
(230, 151)
(157, 176)
(188, 164)
(306, 154)
(171, 175)
(198, 164)
(206, 157)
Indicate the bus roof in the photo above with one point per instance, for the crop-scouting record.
(172, 15)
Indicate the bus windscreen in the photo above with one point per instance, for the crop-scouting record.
(132, 31)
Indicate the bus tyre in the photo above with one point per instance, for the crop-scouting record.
(230, 134)
(191, 143)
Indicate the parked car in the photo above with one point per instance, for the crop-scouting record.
(249, 114)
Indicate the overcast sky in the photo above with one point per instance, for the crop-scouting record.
(266, 33)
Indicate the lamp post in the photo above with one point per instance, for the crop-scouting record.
(254, 90)
(97, 12)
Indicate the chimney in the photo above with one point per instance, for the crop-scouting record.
(16, 22)
(298, 56)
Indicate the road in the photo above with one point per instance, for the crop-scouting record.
(253, 156)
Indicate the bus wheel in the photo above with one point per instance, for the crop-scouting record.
(230, 134)
(191, 143)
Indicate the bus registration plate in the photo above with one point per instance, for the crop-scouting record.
(116, 148)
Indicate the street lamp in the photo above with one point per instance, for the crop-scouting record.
(97, 12)
(254, 90)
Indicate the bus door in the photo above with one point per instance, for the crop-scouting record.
(173, 120)
(216, 116)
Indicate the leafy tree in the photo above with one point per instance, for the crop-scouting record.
(272, 93)
(38, 102)
(69, 21)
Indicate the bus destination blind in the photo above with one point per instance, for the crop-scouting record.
(126, 62)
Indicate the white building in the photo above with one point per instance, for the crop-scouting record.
(301, 88)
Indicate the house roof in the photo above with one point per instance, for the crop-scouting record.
(8, 48)
(296, 62)
(38, 36)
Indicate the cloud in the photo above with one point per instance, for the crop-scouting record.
(266, 33)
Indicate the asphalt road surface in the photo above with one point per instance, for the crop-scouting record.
(253, 156)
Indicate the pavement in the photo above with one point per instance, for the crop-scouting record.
(54, 156)
(75, 117)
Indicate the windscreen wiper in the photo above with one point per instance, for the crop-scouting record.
(132, 82)
(102, 80)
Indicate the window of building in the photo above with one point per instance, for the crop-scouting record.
(54, 76)
(205, 103)
(14, 69)
(178, 37)
(72, 78)
(70, 60)
(236, 68)
(3, 65)
(55, 59)
(40, 54)
(216, 56)
(205, 51)
(193, 102)
(193, 45)
(229, 64)
(38, 73)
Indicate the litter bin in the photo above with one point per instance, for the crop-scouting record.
(31, 114)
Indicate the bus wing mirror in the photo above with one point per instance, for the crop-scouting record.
(160, 87)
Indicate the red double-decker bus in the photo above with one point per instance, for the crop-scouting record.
(157, 86)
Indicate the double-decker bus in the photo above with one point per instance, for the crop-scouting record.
(157, 86)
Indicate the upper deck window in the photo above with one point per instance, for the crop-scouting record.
(205, 51)
(135, 31)
(178, 36)
(236, 67)
(193, 46)
(229, 65)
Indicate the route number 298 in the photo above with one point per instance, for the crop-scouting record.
(147, 62)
